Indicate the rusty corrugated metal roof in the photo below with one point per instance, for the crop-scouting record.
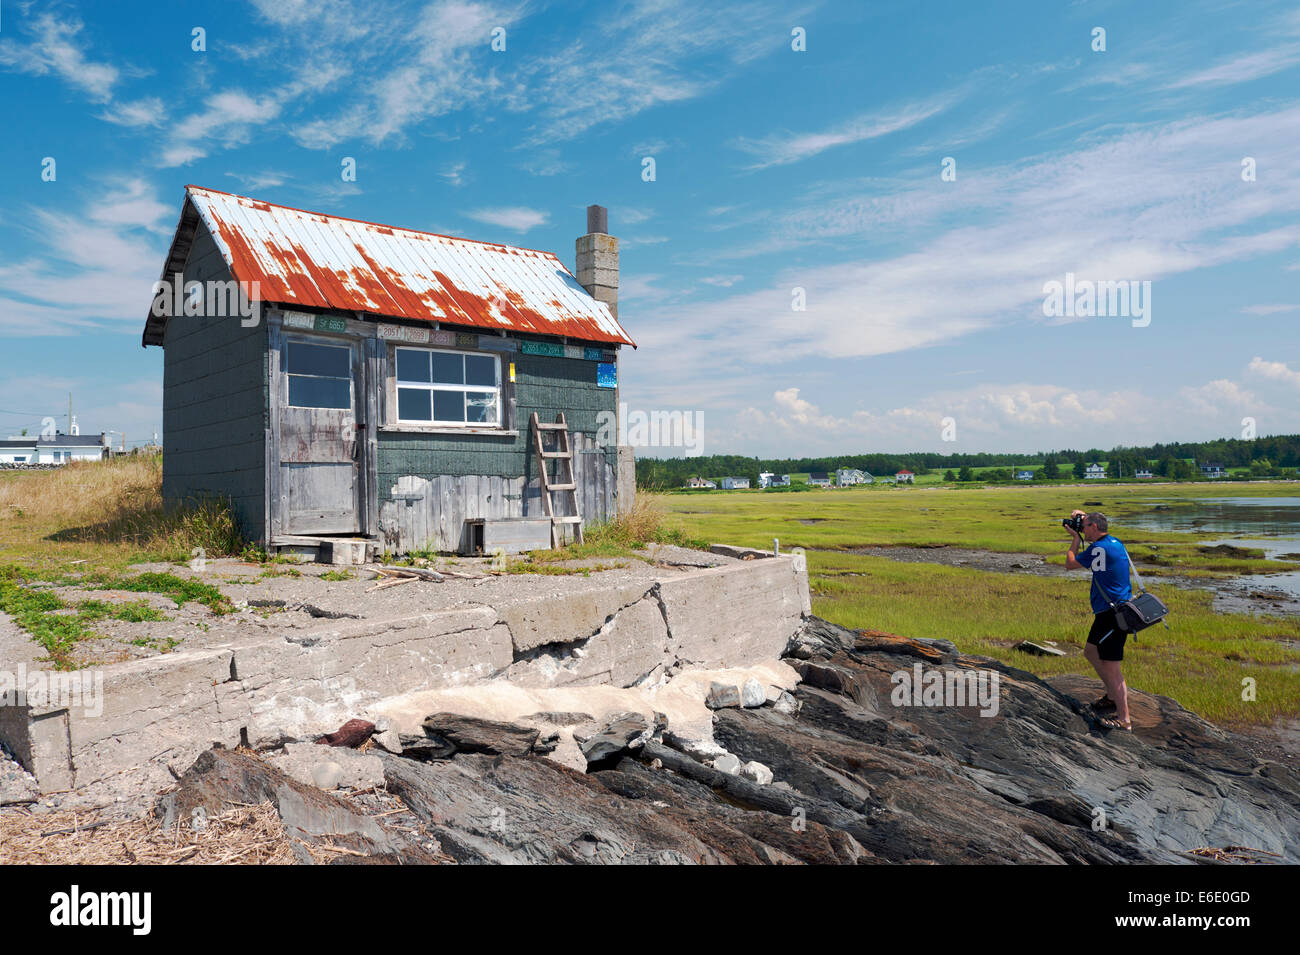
(314, 260)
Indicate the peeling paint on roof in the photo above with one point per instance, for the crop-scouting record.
(312, 260)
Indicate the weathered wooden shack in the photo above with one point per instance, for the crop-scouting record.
(376, 388)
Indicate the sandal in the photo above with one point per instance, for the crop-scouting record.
(1113, 723)
(1103, 702)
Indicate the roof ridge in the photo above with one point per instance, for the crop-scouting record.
(377, 225)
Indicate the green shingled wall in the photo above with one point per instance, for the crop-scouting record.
(214, 404)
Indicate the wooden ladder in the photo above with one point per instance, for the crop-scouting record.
(562, 453)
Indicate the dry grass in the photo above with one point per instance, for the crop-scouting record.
(646, 522)
(242, 835)
(115, 503)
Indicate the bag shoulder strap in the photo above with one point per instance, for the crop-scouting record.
(1132, 567)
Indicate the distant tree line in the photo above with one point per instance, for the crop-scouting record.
(1270, 456)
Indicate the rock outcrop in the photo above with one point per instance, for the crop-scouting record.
(838, 772)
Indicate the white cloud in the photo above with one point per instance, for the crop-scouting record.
(517, 218)
(1274, 371)
(1269, 309)
(630, 216)
(149, 111)
(1017, 417)
(1148, 204)
(1243, 69)
(782, 148)
(454, 173)
(266, 179)
(55, 48)
(635, 241)
(94, 268)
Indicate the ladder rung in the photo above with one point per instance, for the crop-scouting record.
(566, 520)
(553, 426)
(557, 454)
(562, 487)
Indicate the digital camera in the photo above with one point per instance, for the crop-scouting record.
(1075, 523)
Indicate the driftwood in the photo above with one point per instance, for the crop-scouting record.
(389, 570)
(392, 576)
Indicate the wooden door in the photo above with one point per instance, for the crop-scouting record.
(319, 445)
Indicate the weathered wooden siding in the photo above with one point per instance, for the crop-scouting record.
(430, 484)
(214, 403)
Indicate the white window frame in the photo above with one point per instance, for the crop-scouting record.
(431, 422)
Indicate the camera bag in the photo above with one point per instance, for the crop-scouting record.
(1139, 611)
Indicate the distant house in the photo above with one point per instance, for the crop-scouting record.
(57, 449)
(1024, 475)
(700, 482)
(847, 476)
(768, 479)
(734, 483)
(1213, 470)
(1094, 471)
(819, 479)
(904, 477)
(1143, 474)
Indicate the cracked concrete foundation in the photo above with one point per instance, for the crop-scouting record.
(157, 714)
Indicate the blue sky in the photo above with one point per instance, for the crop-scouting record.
(775, 170)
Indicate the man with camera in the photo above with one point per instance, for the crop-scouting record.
(1108, 560)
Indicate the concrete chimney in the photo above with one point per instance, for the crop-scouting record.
(598, 259)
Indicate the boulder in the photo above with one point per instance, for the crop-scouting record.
(470, 734)
(727, 763)
(721, 696)
(616, 735)
(752, 694)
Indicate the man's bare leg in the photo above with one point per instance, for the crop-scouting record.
(1107, 675)
(1112, 674)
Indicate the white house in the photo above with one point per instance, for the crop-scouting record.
(1143, 474)
(700, 482)
(819, 479)
(734, 483)
(58, 449)
(904, 477)
(846, 476)
(1024, 475)
(1213, 470)
(1094, 471)
(768, 479)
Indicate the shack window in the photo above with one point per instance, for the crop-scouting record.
(448, 387)
(320, 376)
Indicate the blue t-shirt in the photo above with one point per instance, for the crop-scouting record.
(1108, 561)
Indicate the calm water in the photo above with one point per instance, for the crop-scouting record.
(1271, 524)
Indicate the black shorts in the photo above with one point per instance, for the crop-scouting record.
(1107, 635)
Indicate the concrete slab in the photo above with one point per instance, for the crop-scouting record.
(307, 654)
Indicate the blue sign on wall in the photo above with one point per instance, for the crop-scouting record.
(607, 375)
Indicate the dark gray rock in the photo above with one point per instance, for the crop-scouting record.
(469, 734)
(722, 695)
(616, 735)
